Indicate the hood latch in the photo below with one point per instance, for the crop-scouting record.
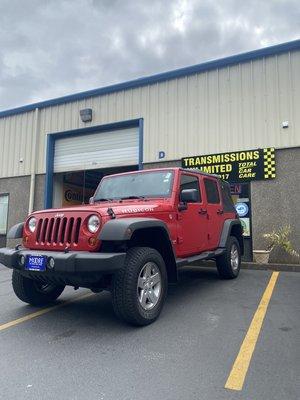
(111, 213)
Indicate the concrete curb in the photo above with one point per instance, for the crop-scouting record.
(272, 267)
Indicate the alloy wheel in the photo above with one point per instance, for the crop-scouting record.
(149, 286)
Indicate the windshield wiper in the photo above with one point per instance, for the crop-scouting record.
(103, 199)
(132, 197)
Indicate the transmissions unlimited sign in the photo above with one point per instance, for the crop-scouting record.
(237, 166)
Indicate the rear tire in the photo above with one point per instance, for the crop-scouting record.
(229, 263)
(34, 292)
(140, 287)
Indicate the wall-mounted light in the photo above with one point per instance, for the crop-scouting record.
(285, 124)
(86, 115)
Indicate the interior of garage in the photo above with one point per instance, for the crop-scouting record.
(76, 187)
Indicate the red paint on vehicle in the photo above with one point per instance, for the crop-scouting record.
(192, 231)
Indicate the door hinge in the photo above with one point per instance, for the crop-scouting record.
(179, 240)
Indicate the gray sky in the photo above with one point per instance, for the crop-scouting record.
(51, 48)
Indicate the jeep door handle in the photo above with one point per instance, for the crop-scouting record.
(202, 211)
(220, 212)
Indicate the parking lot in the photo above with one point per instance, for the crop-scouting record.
(80, 350)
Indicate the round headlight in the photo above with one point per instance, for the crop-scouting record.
(32, 224)
(93, 223)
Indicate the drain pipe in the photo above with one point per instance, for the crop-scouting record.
(33, 161)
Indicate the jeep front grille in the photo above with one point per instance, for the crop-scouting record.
(58, 231)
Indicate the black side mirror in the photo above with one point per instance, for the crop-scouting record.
(91, 200)
(189, 196)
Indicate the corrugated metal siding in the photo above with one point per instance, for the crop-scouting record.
(227, 109)
(16, 136)
(97, 150)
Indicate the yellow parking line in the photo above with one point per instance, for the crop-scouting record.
(240, 367)
(41, 312)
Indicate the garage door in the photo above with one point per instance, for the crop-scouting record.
(97, 150)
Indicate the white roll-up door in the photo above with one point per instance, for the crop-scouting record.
(97, 150)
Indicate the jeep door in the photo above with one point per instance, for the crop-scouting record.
(192, 221)
(215, 212)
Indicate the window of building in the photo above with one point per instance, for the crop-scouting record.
(226, 197)
(3, 213)
(190, 182)
(212, 193)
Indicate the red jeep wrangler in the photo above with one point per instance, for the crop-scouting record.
(139, 228)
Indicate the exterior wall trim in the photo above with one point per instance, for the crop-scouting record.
(194, 69)
(3, 235)
(52, 137)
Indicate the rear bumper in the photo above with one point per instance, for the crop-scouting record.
(67, 263)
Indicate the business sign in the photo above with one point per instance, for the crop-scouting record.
(246, 226)
(73, 195)
(242, 209)
(238, 166)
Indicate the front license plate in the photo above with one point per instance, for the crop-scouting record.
(36, 263)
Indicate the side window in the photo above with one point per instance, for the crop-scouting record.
(3, 213)
(190, 182)
(226, 197)
(212, 193)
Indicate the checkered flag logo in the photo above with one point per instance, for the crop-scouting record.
(269, 163)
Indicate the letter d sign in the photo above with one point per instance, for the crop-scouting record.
(161, 154)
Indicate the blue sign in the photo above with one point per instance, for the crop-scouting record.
(242, 209)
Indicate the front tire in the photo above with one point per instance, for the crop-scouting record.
(140, 287)
(229, 263)
(34, 292)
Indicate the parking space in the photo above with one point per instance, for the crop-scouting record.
(81, 350)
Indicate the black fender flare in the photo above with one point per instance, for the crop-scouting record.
(123, 228)
(16, 231)
(226, 232)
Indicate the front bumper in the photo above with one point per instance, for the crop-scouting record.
(73, 262)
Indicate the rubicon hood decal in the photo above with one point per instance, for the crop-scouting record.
(130, 210)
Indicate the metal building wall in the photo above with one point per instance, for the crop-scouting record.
(16, 144)
(226, 109)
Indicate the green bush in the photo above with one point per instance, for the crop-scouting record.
(281, 239)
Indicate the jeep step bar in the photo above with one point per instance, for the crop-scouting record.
(206, 255)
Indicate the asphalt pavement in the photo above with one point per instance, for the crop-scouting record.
(82, 351)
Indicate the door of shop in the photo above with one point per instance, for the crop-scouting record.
(97, 150)
(80, 161)
(241, 194)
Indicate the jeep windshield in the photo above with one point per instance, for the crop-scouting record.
(135, 186)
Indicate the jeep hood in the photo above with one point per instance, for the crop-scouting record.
(119, 208)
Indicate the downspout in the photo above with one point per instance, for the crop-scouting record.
(33, 161)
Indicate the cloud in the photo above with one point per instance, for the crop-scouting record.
(50, 48)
